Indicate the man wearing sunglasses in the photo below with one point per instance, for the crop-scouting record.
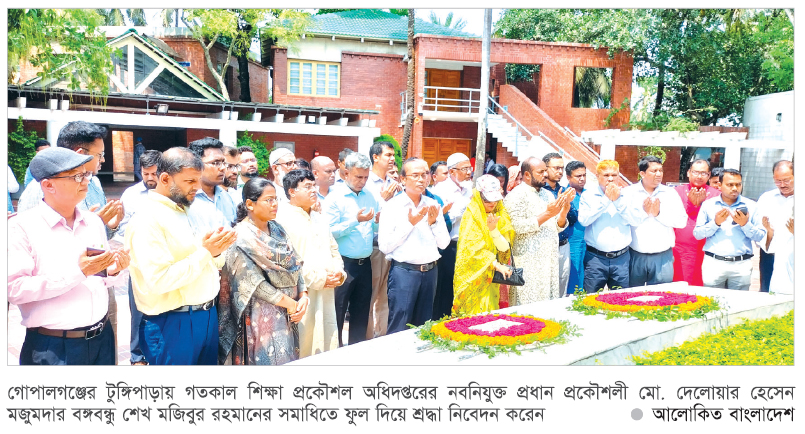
(282, 161)
(53, 275)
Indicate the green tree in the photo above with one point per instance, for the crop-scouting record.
(398, 154)
(116, 17)
(21, 149)
(458, 24)
(236, 29)
(704, 62)
(261, 151)
(50, 39)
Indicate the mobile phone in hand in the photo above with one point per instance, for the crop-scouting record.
(91, 251)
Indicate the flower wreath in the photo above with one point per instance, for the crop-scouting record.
(529, 333)
(668, 306)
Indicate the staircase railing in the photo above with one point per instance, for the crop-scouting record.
(500, 109)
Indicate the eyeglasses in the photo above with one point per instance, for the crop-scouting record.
(79, 177)
(306, 187)
(270, 200)
(100, 155)
(779, 182)
(216, 164)
(289, 164)
(556, 167)
(417, 176)
(467, 169)
(697, 173)
(233, 167)
(248, 160)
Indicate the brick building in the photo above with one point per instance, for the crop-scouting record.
(162, 92)
(357, 59)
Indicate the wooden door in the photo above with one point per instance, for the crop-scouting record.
(438, 149)
(443, 78)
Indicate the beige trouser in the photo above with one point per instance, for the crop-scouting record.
(379, 306)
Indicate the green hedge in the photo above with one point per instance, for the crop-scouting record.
(760, 342)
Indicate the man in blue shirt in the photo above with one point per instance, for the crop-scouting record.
(131, 199)
(213, 207)
(729, 222)
(556, 165)
(576, 173)
(605, 213)
(352, 214)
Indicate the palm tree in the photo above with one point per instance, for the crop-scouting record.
(115, 17)
(410, 87)
(459, 24)
(593, 87)
(169, 17)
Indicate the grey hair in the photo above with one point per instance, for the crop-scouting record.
(358, 160)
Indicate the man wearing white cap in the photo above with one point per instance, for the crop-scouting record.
(282, 161)
(456, 190)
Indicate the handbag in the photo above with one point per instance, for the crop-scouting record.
(516, 278)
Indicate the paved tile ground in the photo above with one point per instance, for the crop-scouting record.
(16, 332)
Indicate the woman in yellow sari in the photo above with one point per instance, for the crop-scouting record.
(481, 250)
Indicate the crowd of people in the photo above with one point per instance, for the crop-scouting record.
(227, 267)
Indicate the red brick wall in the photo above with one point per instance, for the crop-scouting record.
(505, 157)
(628, 156)
(196, 134)
(191, 51)
(369, 81)
(41, 127)
(535, 120)
(558, 61)
(305, 145)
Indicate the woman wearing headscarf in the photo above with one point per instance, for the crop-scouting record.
(484, 237)
(515, 177)
(263, 296)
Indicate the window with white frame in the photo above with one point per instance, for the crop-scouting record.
(314, 78)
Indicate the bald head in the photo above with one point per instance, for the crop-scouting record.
(323, 169)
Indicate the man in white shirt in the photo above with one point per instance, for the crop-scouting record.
(455, 190)
(382, 188)
(658, 210)
(412, 229)
(777, 210)
(282, 161)
(131, 199)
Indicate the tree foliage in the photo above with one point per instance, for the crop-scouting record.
(458, 24)
(21, 149)
(238, 28)
(50, 39)
(116, 17)
(705, 62)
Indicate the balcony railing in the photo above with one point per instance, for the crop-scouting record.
(450, 99)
